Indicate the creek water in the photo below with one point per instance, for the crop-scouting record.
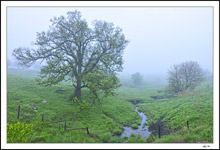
(142, 131)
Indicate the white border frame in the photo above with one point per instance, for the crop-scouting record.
(214, 4)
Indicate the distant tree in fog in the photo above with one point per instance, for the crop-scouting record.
(186, 75)
(208, 75)
(9, 63)
(137, 79)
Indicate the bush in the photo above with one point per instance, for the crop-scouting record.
(117, 131)
(18, 133)
(134, 126)
(150, 139)
(138, 122)
(125, 138)
(136, 139)
(145, 124)
(105, 137)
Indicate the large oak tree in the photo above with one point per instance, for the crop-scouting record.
(88, 57)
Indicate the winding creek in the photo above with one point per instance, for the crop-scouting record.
(142, 131)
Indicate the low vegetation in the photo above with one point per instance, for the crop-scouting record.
(173, 113)
(105, 119)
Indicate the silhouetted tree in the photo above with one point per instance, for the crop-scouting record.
(186, 75)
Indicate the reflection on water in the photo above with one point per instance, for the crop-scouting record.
(143, 132)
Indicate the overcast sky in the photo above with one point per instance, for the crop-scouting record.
(159, 36)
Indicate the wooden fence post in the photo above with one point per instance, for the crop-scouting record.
(187, 124)
(42, 117)
(87, 130)
(65, 126)
(18, 111)
(159, 131)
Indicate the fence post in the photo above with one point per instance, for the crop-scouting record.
(187, 124)
(42, 117)
(159, 131)
(18, 111)
(87, 130)
(65, 126)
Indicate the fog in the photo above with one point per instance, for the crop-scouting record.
(159, 36)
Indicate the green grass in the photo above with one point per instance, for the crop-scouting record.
(197, 109)
(106, 121)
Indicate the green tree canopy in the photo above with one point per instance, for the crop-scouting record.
(87, 57)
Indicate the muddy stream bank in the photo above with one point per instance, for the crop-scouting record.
(145, 131)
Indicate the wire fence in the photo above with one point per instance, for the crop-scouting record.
(42, 120)
(86, 128)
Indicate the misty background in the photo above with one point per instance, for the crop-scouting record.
(159, 36)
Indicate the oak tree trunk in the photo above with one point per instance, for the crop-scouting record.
(78, 90)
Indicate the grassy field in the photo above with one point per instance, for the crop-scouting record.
(105, 121)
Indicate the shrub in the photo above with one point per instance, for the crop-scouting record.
(136, 139)
(117, 131)
(145, 124)
(18, 133)
(138, 122)
(134, 126)
(150, 139)
(125, 138)
(105, 137)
